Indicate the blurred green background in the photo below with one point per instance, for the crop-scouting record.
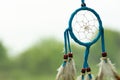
(41, 60)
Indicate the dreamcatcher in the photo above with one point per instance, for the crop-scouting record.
(85, 28)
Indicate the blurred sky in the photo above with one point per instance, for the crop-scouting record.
(23, 22)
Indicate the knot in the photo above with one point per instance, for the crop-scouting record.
(83, 4)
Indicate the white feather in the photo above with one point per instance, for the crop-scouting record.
(61, 75)
(72, 69)
(106, 69)
(67, 72)
(79, 77)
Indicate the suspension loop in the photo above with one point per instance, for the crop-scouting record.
(83, 3)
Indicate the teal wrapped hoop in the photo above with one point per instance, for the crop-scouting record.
(71, 31)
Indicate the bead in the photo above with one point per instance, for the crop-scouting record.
(70, 54)
(83, 70)
(65, 56)
(104, 54)
(88, 69)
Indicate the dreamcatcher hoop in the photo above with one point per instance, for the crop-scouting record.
(71, 30)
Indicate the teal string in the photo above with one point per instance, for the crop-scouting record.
(65, 42)
(90, 76)
(103, 41)
(64, 64)
(68, 39)
(83, 1)
(82, 77)
(65, 46)
(86, 54)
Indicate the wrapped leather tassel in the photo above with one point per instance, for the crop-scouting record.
(107, 69)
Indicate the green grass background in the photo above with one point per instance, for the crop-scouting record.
(40, 61)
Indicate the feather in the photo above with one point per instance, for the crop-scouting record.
(80, 77)
(62, 70)
(67, 71)
(117, 77)
(100, 75)
(107, 70)
(72, 69)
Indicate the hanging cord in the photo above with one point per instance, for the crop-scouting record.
(86, 54)
(71, 70)
(62, 70)
(83, 3)
(85, 65)
(104, 53)
(102, 40)
(67, 41)
(66, 45)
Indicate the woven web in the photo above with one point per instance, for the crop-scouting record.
(85, 26)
